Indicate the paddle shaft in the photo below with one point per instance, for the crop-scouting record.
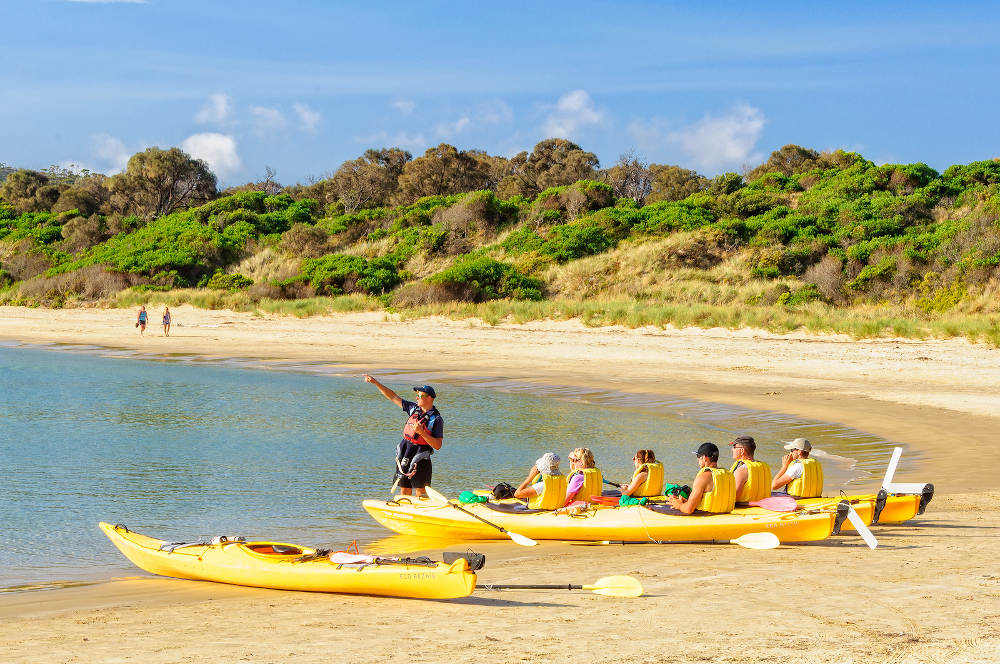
(527, 586)
(476, 516)
(670, 541)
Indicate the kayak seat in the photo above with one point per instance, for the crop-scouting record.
(664, 508)
(275, 549)
(512, 508)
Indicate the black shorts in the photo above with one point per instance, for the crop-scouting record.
(420, 479)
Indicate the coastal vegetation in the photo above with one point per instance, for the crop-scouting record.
(807, 240)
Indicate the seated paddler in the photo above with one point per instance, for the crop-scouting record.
(545, 486)
(647, 480)
(800, 476)
(584, 478)
(752, 477)
(713, 489)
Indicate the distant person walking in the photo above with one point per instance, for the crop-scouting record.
(166, 321)
(423, 433)
(140, 322)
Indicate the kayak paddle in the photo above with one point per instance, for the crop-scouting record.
(859, 525)
(776, 503)
(613, 586)
(520, 539)
(748, 541)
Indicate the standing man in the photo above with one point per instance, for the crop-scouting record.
(422, 434)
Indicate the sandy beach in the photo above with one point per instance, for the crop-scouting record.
(929, 593)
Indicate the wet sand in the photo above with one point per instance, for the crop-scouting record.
(930, 592)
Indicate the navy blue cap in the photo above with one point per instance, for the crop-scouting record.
(426, 389)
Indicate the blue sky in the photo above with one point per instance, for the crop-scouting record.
(303, 86)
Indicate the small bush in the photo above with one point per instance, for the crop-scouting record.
(335, 274)
(229, 282)
(480, 278)
(828, 276)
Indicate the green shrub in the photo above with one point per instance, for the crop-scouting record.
(481, 278)
(573, 241)
(229, 282)
(335, 274)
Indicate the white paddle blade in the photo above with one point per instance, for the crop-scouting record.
(860, 526)
(891, 468)
(617, 586)
(521, 539)
(758, 541)
(435, 495)
(904, 487)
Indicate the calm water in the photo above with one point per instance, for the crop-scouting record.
(179, 449)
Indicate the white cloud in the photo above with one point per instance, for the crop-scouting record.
(404, 106)
(381, 139)
(308, 118)
(573, 111)
(496, 112)
(216, 110)
(111, 153)
(448, 129)
(267, 120)
(218, 150)
(712, 144)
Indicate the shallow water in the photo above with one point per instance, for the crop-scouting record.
(180, 448)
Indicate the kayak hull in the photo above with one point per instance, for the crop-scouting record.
(258, 564)
(897, 509)
(436, 518)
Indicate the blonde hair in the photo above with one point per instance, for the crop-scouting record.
(584, 455)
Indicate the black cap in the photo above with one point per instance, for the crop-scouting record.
(707, 449)
(426, 389)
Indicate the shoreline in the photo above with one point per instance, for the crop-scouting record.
(937, 396)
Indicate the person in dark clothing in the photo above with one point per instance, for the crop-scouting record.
(422, 434)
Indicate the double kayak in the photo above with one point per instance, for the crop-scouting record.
(439, 517)
(283, 566)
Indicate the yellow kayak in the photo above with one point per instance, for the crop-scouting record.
(274, 565)
(438, 517)
(865, 509)
(897, 508)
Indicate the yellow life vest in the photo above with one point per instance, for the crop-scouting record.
(722, 497)
(810, 485)
(653, 486)
(553, 493)
(592, 483)
(758, 484)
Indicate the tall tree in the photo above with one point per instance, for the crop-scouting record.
(673, 183)
(553, 162)
(28, 191)
(441, 170)
(157, 182)
(630, 177)
(370, 180)
(788, 160)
